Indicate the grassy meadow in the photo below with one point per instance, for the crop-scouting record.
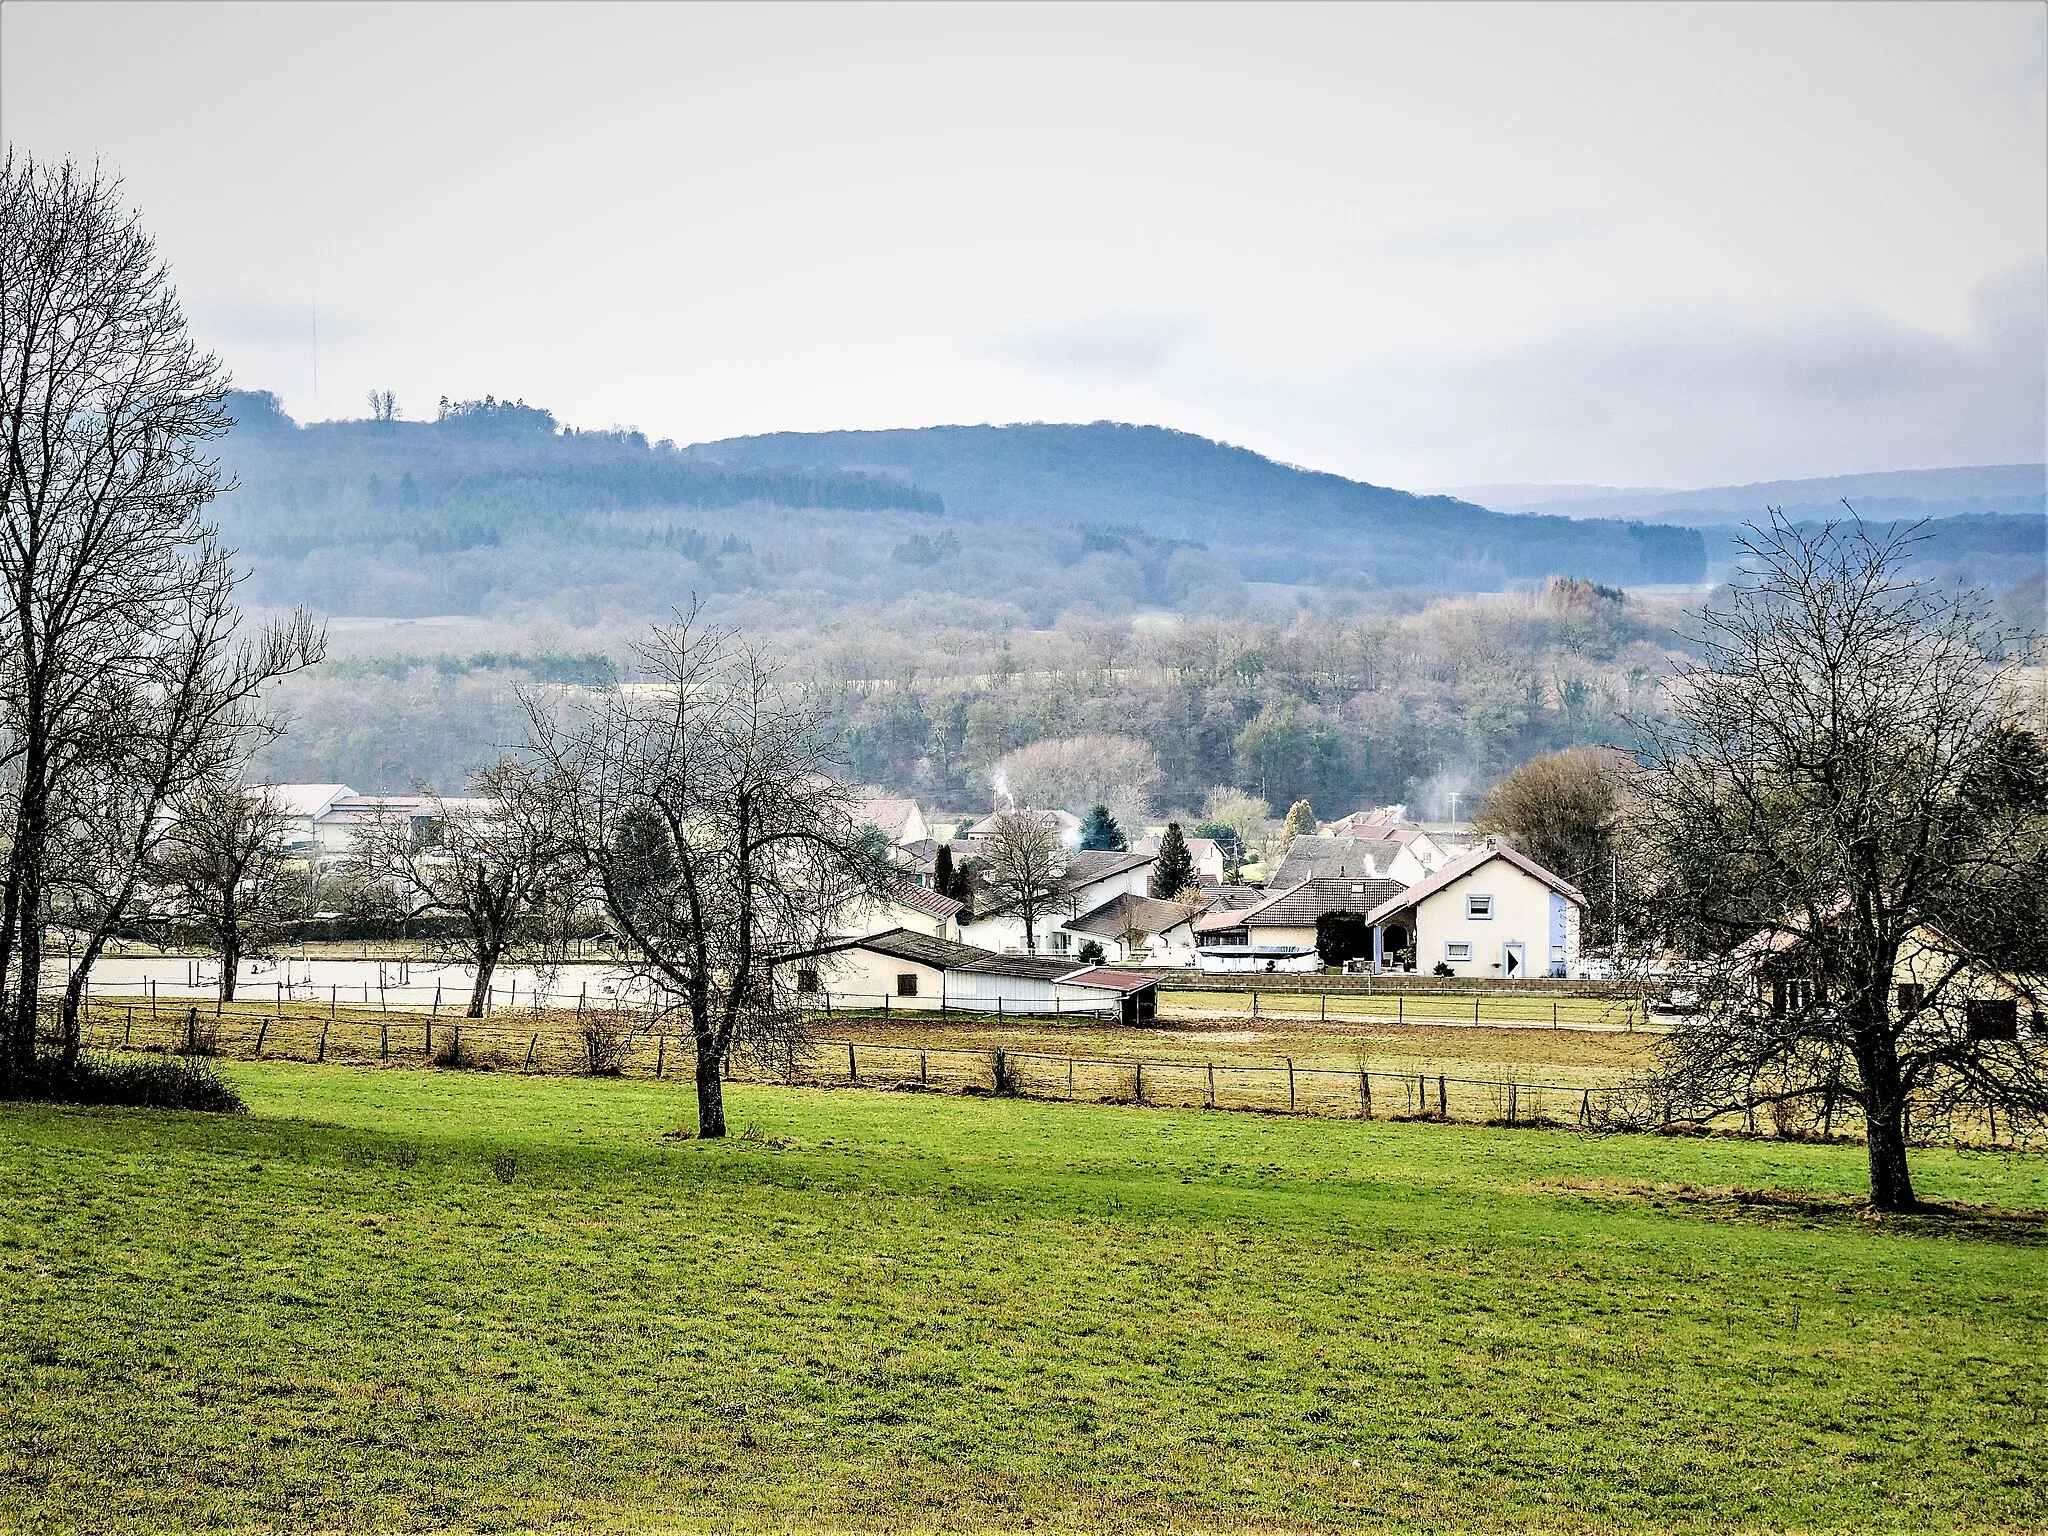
(406, 1300)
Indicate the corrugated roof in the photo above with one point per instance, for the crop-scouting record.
(1460, 867)
(902, 944)
(1103, 976)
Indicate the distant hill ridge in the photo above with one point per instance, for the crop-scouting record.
(1171, 483)
(1966, 490)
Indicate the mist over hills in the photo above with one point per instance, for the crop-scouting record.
(495, 508)
(1967, 490)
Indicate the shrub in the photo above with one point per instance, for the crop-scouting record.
(165, 1082)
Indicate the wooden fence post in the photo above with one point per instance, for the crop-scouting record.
(1443, 1106)
(923, 1077)
(1290, 1084)
(191, 1030)
(1400, 1008)
(1475, 1008)
(384, 1040)
(853, 1066)
(1255, 1002)
(321, 1054)
(1212, 1085)
(128, 1029)
(530, 1044)
(1070, 1077)
(660, 1053)
(262, 1029)
(1364, 1096)
(1141, 1083)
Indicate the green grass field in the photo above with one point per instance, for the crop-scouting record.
(403, 1300)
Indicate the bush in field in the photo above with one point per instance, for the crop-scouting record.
(165, 1082)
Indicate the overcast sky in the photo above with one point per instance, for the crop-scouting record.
(1438, 245)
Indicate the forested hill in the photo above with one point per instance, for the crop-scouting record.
(1290, 524)
(496, 508)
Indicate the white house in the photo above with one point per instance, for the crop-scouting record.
(1320, 856)
(1066, 823)
(1133, 928)
(915, 972)
(1090, 880)
(897, 816)
(1492, 913)
(901, 903)
(1206, 852)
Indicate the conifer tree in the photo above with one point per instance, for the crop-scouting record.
(1100, 833)
(1174, 870)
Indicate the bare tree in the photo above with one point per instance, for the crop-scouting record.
(1561, 810)
(181, 718)
(383, 405)
(115, 591)
(497, 861)
(226, 869)
(712, 836)
(1845, 799)
(1023, 866)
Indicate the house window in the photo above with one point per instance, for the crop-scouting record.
(906, 984)
(1479, 908)
(1457, 951)
(807, 981)
(1992, 1018)
(1060, 939)
(1911, 996)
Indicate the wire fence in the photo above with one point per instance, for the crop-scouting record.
(625, 1044)
(619, 1042)
(395, 989)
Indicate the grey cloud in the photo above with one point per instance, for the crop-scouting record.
(1716, 395)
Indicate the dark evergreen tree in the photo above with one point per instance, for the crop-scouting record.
(947, 880)
(1100, 833)
(1174, 870)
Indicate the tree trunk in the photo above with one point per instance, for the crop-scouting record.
(1884, 1121)
(480, 994)
(710, 1091)
(230, 954)
(74, 993)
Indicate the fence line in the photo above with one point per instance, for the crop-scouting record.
(632, 1049)
(621, 1044)
(1507, 1010)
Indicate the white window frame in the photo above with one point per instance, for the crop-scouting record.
(1473, 914)
(1452, 955)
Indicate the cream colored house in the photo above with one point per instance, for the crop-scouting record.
(901, 903)
(1494, 913)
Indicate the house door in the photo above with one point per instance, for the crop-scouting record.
(1510, 961)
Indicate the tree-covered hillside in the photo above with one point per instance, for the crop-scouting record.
(1282, 523)
(493, 508)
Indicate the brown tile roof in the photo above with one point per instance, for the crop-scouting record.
(1314, 855)
(920, 898)
(1125, 913)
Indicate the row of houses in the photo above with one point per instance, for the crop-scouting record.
(1417, 897)
(1414, 897)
